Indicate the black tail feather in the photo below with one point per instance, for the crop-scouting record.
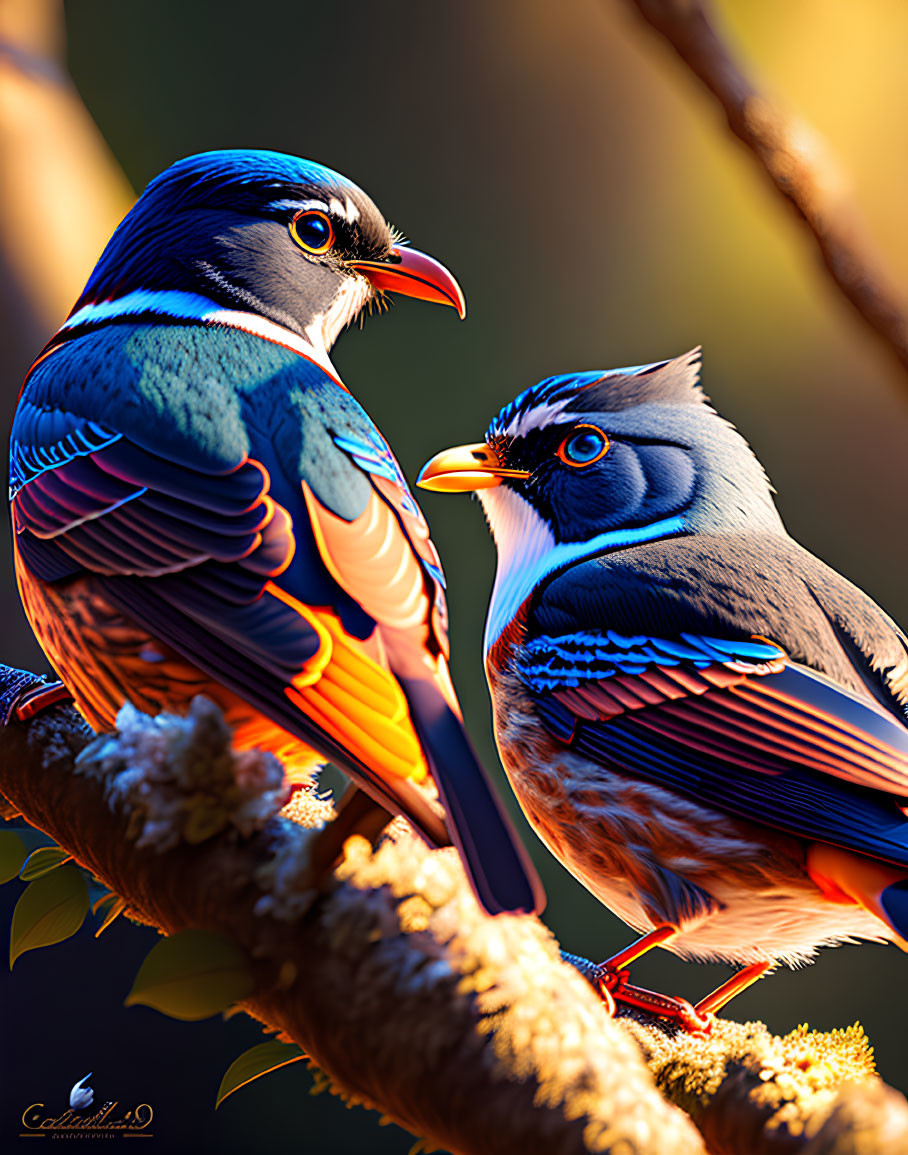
(499, 867)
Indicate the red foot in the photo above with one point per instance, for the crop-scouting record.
(40, 698)
(615, 988)
(611, 979)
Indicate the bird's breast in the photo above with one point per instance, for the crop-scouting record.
(106, 659)
(627, 840)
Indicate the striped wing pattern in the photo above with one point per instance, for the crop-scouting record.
(211, 564)
(732, 723)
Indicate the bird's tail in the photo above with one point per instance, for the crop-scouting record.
(879, 887)
(499, 867)
(894, 901)
(501, 873)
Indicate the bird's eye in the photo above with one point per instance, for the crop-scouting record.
(584, 445)
(312, 231)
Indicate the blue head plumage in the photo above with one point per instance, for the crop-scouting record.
(628, 448)
(584, 463)
(216, 226)
(285, 239)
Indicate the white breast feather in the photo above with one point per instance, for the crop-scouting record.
(524, 542)
(324, 329)
(528, 551)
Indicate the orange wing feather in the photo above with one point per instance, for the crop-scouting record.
(373, 561)
(378, 564)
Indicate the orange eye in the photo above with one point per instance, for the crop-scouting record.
(584, 445)
(313, 231)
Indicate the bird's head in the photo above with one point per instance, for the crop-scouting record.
(586, 463)
(266, 233)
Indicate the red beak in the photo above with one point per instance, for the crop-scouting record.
(413, 274)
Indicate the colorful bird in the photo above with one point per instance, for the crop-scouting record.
(200, 506)
(702, 721)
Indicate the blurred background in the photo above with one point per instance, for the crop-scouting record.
(597, 213)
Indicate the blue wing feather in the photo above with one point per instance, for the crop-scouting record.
(181, 518)
(548, 662)
(803, 802)
(767, 740)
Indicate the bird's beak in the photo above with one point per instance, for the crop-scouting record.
(413, 274)
(465, 468)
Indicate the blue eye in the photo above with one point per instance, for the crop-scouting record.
(312, 231)
(583, 446)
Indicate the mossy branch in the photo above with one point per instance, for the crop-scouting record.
(467, 1030)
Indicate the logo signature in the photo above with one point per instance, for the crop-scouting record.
(81, 1096)
(109, 1120)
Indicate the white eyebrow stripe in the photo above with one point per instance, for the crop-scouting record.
(345, 209)
(522, 423)
(299, 206)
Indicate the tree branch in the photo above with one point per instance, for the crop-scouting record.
(796, 161)
(467, 1030)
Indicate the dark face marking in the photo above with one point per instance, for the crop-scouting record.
(635, 482)
(220, 225)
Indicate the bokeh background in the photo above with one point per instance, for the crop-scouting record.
(598, 213)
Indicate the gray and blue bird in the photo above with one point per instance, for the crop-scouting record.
(704, 722)
(201, 506)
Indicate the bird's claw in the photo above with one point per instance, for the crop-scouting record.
(37, 697)
(614, 989)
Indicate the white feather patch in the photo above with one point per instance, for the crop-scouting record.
(528, 551)
(298, 206)
(324, 328)
(345, 209)
(523, 541)
(538, 418)
(180, 306)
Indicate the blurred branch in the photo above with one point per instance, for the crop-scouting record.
(61, 191)
(796, 161)
(464, 1029)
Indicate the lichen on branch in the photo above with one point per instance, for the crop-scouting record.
(468, 1030)
(179, 778)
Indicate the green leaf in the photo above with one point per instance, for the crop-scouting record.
(191, 975)
(49, 910)
(12, 855)
(254, 1063)
(42, 861)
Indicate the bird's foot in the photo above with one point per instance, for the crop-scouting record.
(23, 694)
(617, 993)
(697, 1019)
(39, 698)
(612, 982)
(610, 979)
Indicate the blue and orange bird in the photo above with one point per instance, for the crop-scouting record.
(702, 721)
(200, 505)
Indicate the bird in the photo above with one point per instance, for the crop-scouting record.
(200, 506)
(701, 720)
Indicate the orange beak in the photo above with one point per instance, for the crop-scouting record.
(465, 468)
(413, 274)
